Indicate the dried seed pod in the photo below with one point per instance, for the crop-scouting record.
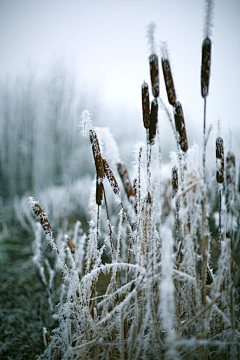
(96, 154)
(126, 182)
(206, 65)
(48, 337)
(135, 186)
(145, 105)
(219, 160)
(98, 164)
(153, 121)
(111, 178)
(231, 184)
(169, 81)
(174, 181)
(71, 245)
(180, 126)
(99, 191)
(154, 74)
(42, 218)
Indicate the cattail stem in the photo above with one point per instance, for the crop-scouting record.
(204, 230)
(109, 228)
(220, 217)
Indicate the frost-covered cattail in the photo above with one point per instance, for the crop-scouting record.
(126, 182)
(70, 245)
(180, 126)
(206, 65)
(174, 181)
(41, 216)
(111, 178)
(219, 160)
(153, 60)
(154, 74)
(230, 184)
(206, 48)
(153, 121)
(98, 164)
(145, 105)
(167, 73)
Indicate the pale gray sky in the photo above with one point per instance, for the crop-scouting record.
(105, 43)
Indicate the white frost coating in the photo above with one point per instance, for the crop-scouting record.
(86, 123)
(164, 50)
(167, 286)
(208, 19)
(151, 28)
(110, 148)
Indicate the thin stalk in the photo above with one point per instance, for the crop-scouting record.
(204, 230)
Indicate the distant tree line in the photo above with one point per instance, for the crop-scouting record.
(39, 135)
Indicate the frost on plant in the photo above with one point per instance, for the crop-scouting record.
(142, 283)
(86, 123)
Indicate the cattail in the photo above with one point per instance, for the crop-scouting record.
(111, 178)
(71, 245)
(153, 121)
(154, 73)
(205, 68)
(98, 164)
(168, 81)
(180, 126)
(135, 184)
(145, 105)
(219, 160)
(126, 182)
(230, 184)
(41, 216)
(174, 181)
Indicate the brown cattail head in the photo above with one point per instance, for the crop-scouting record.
(111, 178)
(126, 182)
(169, 81)
(99, 191)
(42, 218)
(71, 245)
(145, 105)
(96, 154)
(180, 126)
(135, 184)
(206, 65)
(48, 337)
(153, 121)
(231, 184)
(98, 164)
(174, 181)
(219, 160)
(154, 73)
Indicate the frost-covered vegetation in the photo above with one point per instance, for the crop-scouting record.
(152, 269)
(152, 277)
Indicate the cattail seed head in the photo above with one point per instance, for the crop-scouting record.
(96, 154)
(145, 105)
(154, 74)
(231, 184)
(206, 65)
(98, 164)
(126, 182)
(41, 216)
(71, 245)
(153, 121)
(167, 73)
(174, 181)
(180, 126)
(219, 160)
(111, 178)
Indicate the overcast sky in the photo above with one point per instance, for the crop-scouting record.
(105, 43)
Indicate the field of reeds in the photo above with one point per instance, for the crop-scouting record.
(155, 273)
